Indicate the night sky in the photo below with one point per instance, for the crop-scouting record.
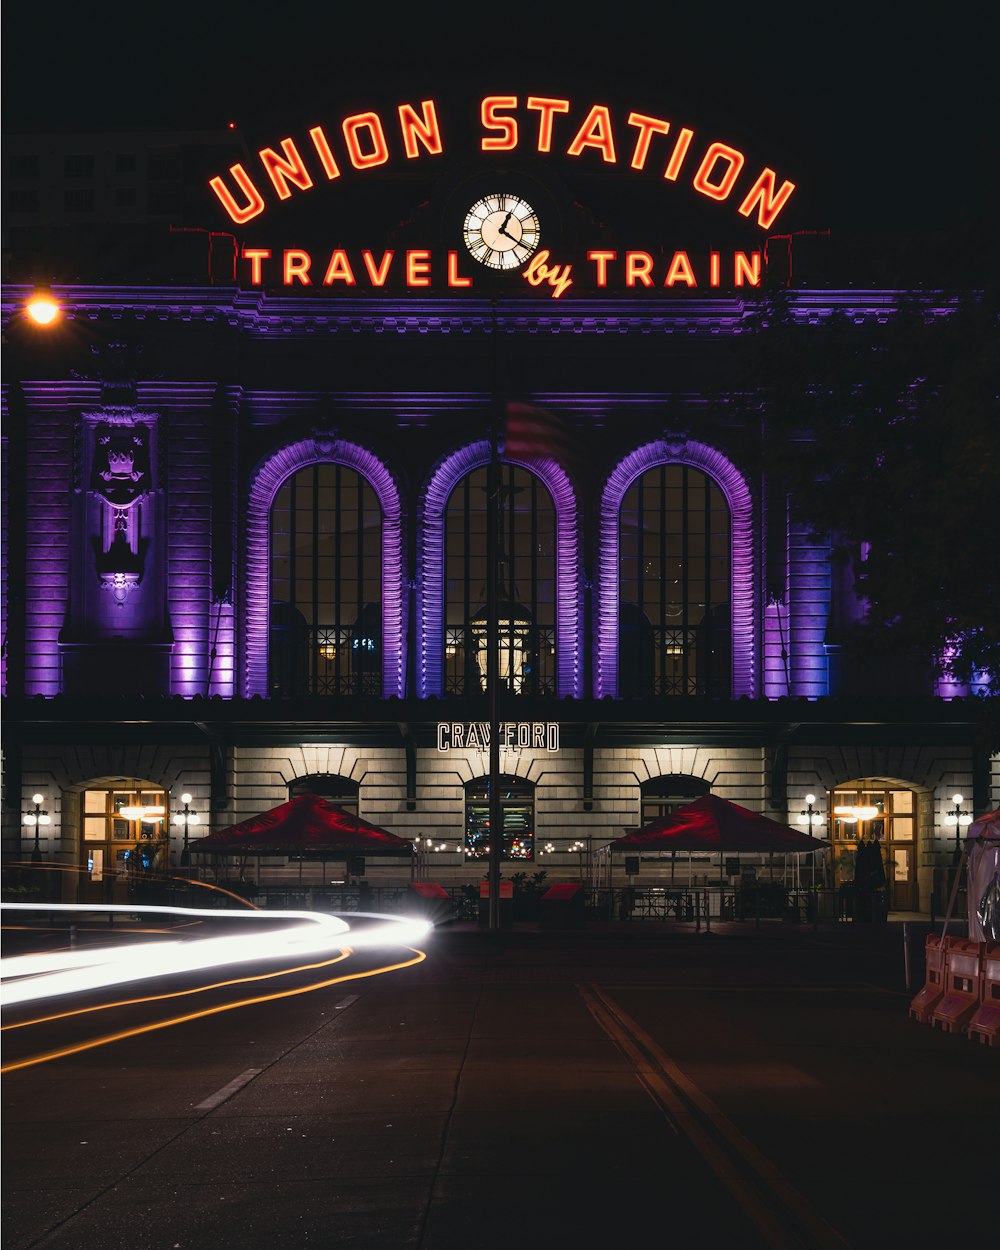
(889, 126)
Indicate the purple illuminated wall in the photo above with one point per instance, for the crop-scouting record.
(431, 556)
(744, 579)
(49, 530)
(265, 485)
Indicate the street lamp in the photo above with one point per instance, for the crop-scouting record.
(32, 820)
(186, 817)
(42, 308)
(959, 819)
(806, 817)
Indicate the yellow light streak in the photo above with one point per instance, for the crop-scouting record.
(93, 1043)
(159, 998)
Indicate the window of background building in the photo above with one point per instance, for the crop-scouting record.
(526, 571)
(517, 804)
(79, 200)
(162, 201)
(125, 163)
(163, 166)
(22, 200)
(23, 165)
(326, 584)
(78, 165)
(125, 197)
(674, 586)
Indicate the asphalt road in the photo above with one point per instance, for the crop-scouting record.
(617, 1085)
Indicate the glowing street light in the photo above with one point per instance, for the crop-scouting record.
(32, 820)
(186, 817)
(43, 309)
(959, 819)
(806, 817)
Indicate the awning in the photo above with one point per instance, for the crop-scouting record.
(307, 823)
(716, 825)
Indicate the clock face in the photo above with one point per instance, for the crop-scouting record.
(501, 231)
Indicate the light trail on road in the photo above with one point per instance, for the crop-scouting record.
(152, 1027)
(28, 978)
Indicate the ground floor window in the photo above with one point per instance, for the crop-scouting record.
(517, 806)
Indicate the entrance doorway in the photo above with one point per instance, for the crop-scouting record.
(124, 840)
(887, 816)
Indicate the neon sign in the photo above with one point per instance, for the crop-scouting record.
(420, 268)
(539, 125)
(475, 735)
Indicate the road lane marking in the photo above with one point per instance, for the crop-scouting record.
(346, 1002)
(784, 1218)
(227, 1091)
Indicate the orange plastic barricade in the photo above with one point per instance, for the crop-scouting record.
(962, 964)
(930, 995)
(984, 1026)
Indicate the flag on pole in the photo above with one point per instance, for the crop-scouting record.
(535, 433)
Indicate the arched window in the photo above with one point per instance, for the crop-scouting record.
(526, 581)
(517, 806)
(662, 796)
(325, 584)
(675, 633)
(340, 790)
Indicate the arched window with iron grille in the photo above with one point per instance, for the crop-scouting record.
(675, 635)
(526, 582)
(325, 584)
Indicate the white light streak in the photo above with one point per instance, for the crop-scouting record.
(27, 978)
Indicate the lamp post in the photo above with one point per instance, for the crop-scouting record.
(959, 819)
(32, 820)
(806, 817)
(186, 817)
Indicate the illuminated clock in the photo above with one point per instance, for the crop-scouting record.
(501, 231)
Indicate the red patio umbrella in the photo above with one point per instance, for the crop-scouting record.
(306, 823)
(714, 824)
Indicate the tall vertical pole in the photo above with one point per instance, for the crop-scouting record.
(493, 522)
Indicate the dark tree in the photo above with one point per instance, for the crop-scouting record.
(887, 437)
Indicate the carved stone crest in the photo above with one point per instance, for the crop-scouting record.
(121, 463)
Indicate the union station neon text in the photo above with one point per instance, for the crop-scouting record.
(542, 124)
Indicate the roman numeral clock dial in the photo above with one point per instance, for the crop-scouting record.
(501, 231)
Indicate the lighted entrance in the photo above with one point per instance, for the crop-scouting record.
(875, 813)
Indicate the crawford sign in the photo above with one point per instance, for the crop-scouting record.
(475, 735)
(502, 229)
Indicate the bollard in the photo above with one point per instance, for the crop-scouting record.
(906, 956)
(72, 935)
